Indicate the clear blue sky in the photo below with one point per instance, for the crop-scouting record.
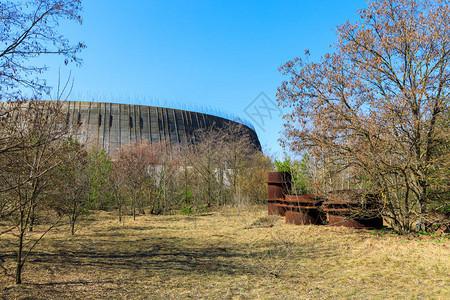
(214, 53)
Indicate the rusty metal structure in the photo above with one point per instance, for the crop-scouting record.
(353, 208)
(347, 208)
(110, 125)
(278, 185)
(303, 209)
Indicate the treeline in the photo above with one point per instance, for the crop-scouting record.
(221, 168)
(44, 167)
(48, 177)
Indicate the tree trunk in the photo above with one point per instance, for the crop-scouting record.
(31, 216)
(72, 226)
(422, 209)
(73, 217)
(19, 273)
(186, 199)
(133, 204)
(20, 251)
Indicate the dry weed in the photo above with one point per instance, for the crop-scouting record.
(215, 257)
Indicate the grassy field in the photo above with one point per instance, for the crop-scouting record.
(226, 255)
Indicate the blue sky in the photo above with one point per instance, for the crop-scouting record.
(210, 53)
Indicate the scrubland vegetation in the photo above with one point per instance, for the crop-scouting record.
(374, 112)
(46, 171)
(171, 221)
(225, 254)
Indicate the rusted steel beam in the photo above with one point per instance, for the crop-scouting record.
(309, 217)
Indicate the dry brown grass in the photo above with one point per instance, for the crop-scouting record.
(224, 255)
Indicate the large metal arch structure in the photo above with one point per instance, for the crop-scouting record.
(110, 125)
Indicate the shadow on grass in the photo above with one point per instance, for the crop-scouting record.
(138, 228)
(152, 255)
(155, 254)
(79, 282)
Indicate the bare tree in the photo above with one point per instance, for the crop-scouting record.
(28, 30)
(237, 148)
(185, 172)
(378, 103)
(144, 174)
(253, 184)
(224, 167)
(26, 173)
(131, 166)
(71, 186)
(163, 171)
(207, 161)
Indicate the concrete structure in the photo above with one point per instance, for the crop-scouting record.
(110, 125)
